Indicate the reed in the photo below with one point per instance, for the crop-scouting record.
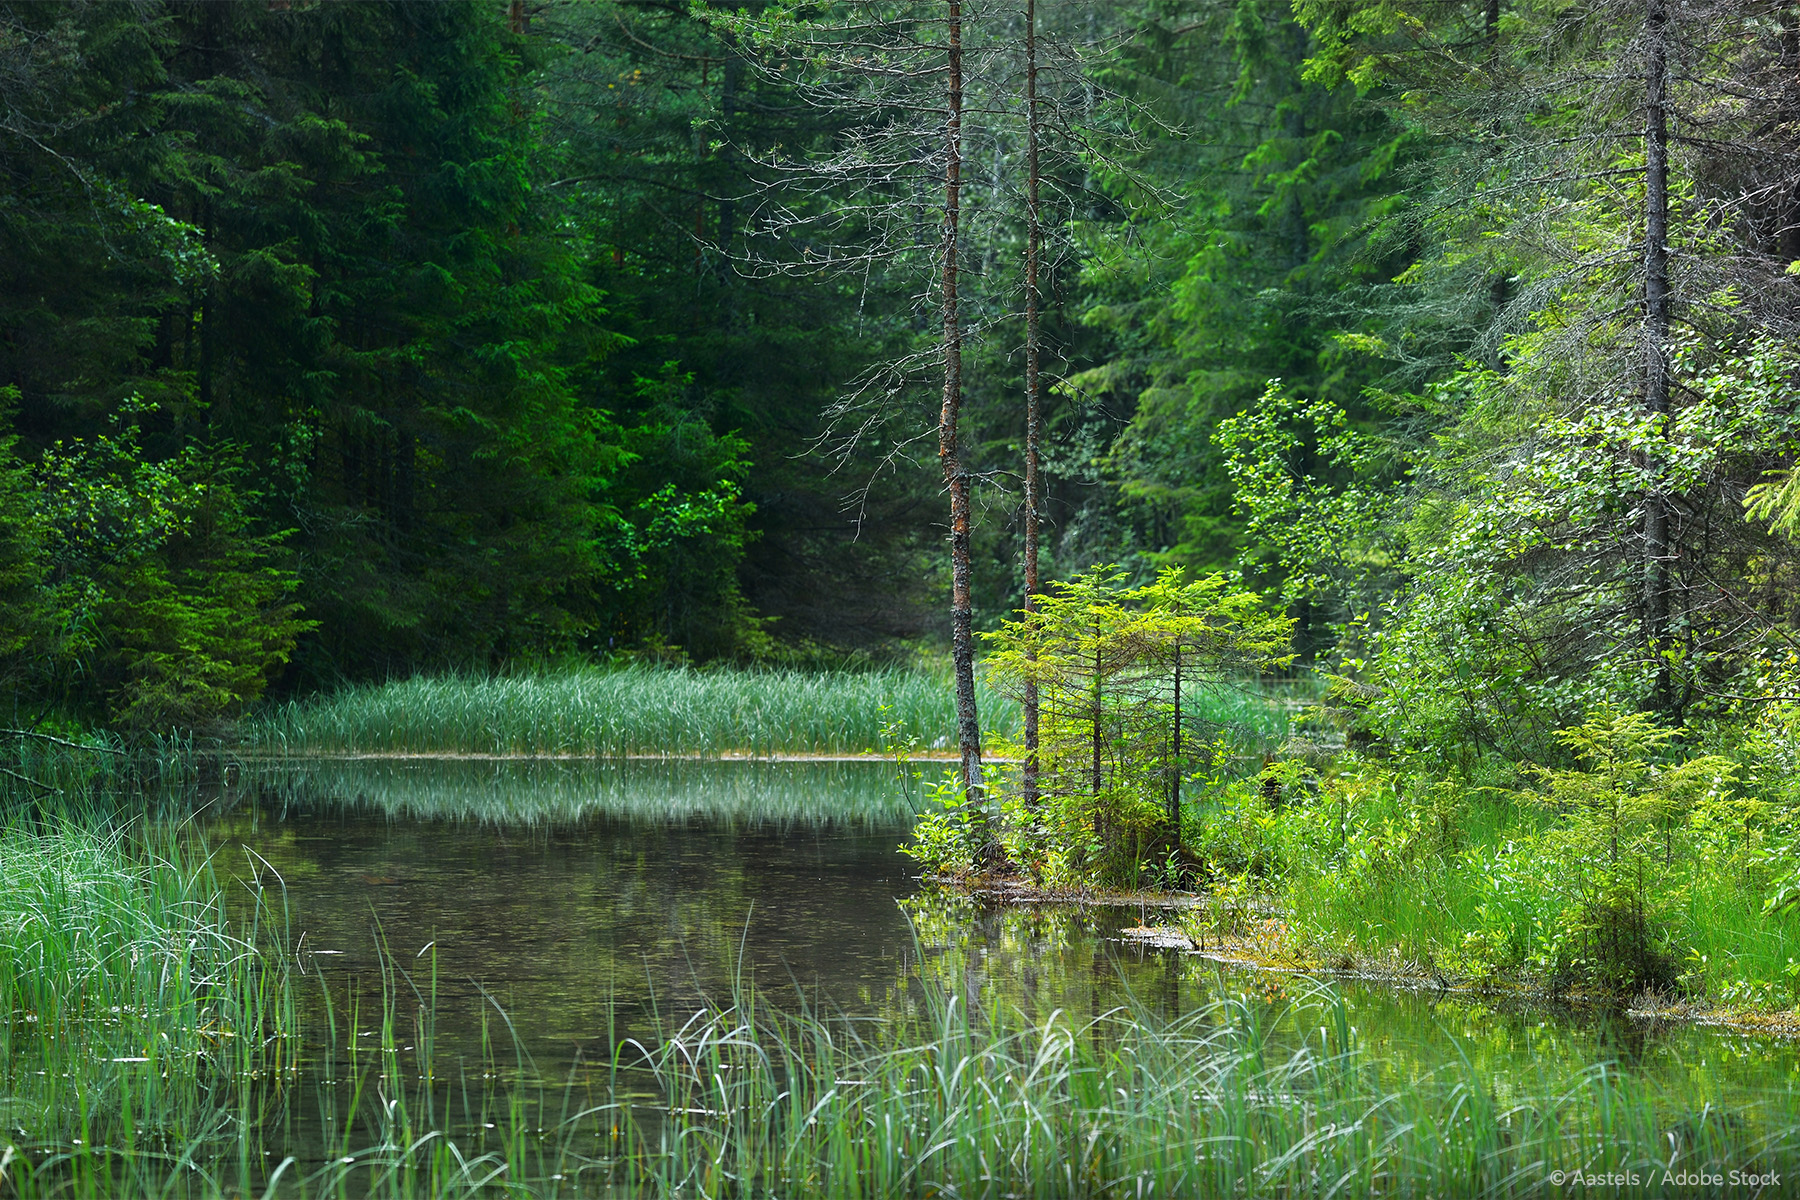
(1127, 1104)
(136, 1003)
(635, 710)
(1241, 1098)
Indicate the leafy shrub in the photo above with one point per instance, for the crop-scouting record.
(1117, 671)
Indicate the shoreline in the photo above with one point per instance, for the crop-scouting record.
(1264, 949)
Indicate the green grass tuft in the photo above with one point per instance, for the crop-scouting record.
(134, 1003)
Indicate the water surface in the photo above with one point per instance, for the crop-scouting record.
(591, 903)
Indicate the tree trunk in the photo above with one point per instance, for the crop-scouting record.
(956, 478)
(1175, 757)
(1656, 330)
(1096, 699)
(1033, 403)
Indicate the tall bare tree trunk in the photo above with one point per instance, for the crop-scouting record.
(1034, 234)
(956, 477)
(1656, 328)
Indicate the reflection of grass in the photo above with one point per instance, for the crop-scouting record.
(636, 710)
(566, 793)
(132, 1004)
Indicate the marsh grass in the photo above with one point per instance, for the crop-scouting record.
(1242, 1097)
(1130, 1104)
(635, 710)
(135, 1001)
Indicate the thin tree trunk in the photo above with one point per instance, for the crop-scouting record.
(1656, 328)
(1098, 711)
(956, 478)
(1175, 758)
(1033, 403)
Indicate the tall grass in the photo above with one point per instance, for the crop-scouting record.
(745, 1100)
(634, 710)
(134, 1002)
(1127, 1104)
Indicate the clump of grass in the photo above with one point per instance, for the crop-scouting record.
(130, 997)
(1130, 1105)
(595, 711)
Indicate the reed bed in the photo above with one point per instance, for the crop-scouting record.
(648, 710)
(1243, 1098)
(594, 711)
(1126, 1104)
(134, 1004)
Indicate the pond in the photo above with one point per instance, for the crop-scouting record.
(594, 900)
(513, 931)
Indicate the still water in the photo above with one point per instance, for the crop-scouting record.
(547, 913)
(593, 901)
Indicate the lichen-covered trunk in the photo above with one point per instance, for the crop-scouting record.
(1033, 402)
(956, 476)
(1656, 329)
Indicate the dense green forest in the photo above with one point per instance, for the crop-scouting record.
(343, 341)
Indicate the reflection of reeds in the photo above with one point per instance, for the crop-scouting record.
(540, 792)
(634, 710)
(148, 768)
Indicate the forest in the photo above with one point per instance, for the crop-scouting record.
(1298, 501)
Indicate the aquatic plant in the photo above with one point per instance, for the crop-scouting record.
(952, 1098)
(1130, 1104)
(628, 711)
(135, 999)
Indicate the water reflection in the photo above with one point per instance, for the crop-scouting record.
(595, 902)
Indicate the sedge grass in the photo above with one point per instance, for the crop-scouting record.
(637, 710)
(1238, 1098)
(1129, 1104)
(134, 1002)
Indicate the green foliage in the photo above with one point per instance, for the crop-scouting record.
(135, 591)
(1117, 672)
(950, 837)
(1637, 865)
(1249, 234)
(1610, 852)
(1776, 501)
(178, 613)
(1331, 546)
